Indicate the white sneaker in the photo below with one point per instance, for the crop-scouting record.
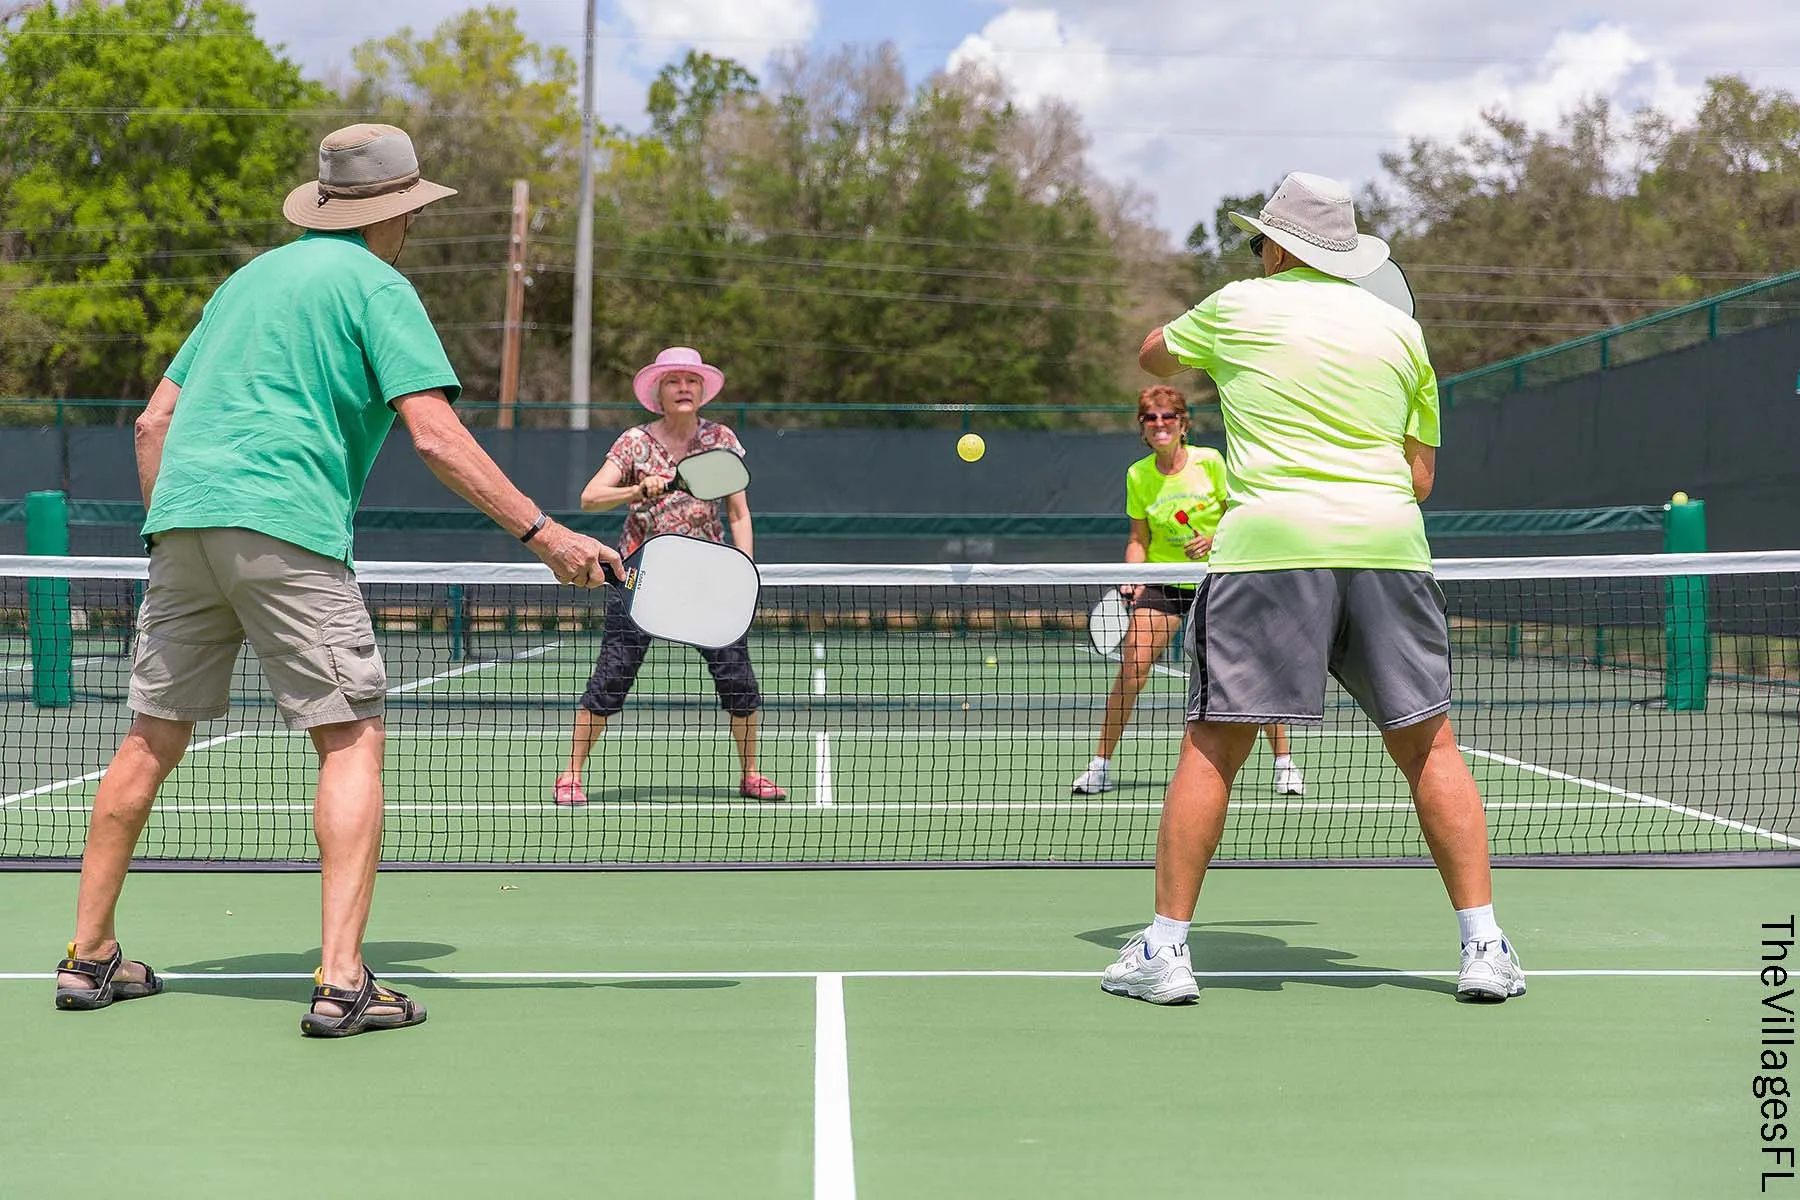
(1097, 778)
(1161, 978)
(1490, 973)
(1289, 781)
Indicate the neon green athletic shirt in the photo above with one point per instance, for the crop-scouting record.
(1320, 384)
(1198, 490)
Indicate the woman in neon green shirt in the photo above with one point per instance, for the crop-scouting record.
(1174, 496)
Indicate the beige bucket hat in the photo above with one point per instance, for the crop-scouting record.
(367, 174)
(1312, 218)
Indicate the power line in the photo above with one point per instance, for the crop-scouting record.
(224, 251)
(1304, 133)
(1173, 259)
(240, 223)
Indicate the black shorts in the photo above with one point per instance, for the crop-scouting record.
(1175, 599)
(1262, 642)
(622, 649)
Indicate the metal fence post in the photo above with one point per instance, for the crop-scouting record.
(50, 623)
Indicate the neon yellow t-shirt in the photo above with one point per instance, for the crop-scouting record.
(1320, 384)
(1196, 491)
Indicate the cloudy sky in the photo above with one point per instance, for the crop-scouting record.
(1187, 101)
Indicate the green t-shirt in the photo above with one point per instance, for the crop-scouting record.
(1197, 492)
(1320, 384)
(285, 387)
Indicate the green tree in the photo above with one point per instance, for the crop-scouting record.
(838, 236)
(148, 150)
(1517, 239)
(484, 105)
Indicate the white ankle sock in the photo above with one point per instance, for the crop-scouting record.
(1478, 924)
(1165, 932)
(1099, 763)
(1284, 760)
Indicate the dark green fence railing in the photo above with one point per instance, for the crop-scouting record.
(1544, 522)
(1767, 303)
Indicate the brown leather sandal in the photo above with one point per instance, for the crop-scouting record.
(107, 986)
(357, 1018)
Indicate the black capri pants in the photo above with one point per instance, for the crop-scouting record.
(622, 649)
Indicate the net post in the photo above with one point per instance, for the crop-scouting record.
(1687, 645)
(51, 623)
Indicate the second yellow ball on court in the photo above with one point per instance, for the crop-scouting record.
(970, 447)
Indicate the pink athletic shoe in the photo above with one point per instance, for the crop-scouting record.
(569, 794)
(760, 787)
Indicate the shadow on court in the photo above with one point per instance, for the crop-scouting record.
(385, 959)
(1222, 947)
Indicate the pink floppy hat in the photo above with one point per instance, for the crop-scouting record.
(671, 361)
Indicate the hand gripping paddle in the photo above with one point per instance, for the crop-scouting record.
(689, 590)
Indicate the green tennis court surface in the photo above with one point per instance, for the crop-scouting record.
(964, 753)
(899, 1034)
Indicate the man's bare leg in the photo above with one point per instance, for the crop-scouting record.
(122, 803)
(347, 826)
(1193, 816)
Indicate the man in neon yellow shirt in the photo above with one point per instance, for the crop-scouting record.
(1320, 565)
(1174, 497)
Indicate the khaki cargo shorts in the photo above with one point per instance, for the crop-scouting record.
(213, 589)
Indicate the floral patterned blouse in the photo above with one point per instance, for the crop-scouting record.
(637, 455)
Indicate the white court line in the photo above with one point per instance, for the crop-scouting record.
(1093, 974)
(652, 807)
(834, 1158)
(25, 665)
(209, 743)
(60, 784)
(1159, 668)
(506, 733)
(441, 676)
(1640, 797)
(822, 770)
(821, 747)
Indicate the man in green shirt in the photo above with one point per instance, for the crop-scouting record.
(1320, 565)
(252, 455)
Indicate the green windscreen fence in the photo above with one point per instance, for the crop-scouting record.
(1769, 302)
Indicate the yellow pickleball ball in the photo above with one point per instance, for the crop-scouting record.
(992, 661)
(1678, 498)
(970, 447)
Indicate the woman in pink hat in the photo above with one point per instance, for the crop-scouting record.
(637, 472)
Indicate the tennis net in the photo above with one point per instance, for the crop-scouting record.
(1611, 707)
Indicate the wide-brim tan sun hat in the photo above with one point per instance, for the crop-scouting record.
(1313, 218)
(367, 174)
(671, 361)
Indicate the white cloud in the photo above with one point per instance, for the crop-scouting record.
(1039, 57)
(744, 29)
(1191, 103)
(1605, 61)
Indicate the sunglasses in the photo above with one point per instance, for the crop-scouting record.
(1256, 244)
(1158, 418)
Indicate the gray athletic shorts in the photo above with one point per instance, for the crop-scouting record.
(1260, 644)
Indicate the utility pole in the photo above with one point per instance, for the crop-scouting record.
(514, 330)
(581, 348)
